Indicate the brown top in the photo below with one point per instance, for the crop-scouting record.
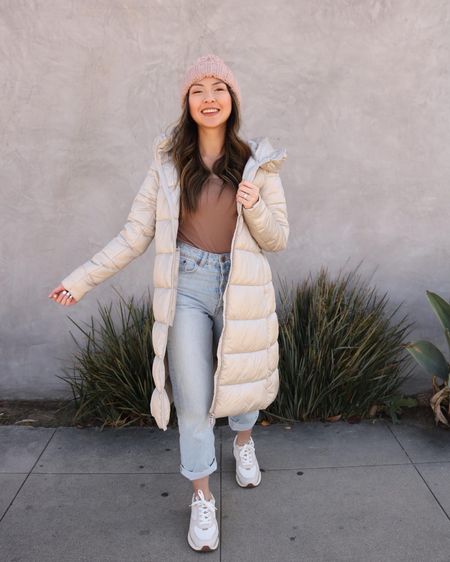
(212, 226)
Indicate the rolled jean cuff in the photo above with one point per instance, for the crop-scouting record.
(243, 426)
(199, 474)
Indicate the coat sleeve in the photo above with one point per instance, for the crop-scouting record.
(132, 240)
(267, 220)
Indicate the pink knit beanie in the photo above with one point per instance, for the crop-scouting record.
(209, 65)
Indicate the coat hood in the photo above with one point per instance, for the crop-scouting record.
(264, 155)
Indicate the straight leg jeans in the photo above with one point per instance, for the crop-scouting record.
(191, 348)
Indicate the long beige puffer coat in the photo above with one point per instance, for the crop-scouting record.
(246, 365)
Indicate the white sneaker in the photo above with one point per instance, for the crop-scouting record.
(203, 529)
(248, 474)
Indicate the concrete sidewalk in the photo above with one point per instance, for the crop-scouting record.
(330, 492)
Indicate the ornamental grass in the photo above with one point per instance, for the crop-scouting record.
(342, 353)
(111, 373)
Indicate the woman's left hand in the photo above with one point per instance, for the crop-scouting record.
(247, 194)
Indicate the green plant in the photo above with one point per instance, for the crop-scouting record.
(341, 354)
(433, 361)
(110, 376)
(394, 405)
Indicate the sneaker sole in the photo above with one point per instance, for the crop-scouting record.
(204, 548)
(249, 484)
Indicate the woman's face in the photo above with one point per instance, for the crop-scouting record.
(209, 93)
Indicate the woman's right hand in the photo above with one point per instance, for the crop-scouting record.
(62, 296)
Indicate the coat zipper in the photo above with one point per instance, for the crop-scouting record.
(176, 254)
(212, 417)
(175, 266)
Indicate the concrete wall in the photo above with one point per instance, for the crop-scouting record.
(358, 92)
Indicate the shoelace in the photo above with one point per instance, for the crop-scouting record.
(246, 452)
(206, 508)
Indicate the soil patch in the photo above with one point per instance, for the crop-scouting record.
(60, 413)
(38, 413)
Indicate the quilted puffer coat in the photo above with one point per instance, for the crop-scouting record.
(246, 365)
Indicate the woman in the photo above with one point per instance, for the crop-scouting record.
(213, 203)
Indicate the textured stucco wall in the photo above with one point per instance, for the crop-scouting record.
(357, 91)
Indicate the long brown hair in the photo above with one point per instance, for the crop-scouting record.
(192, 172)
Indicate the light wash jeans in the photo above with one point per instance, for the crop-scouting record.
(191, 348)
